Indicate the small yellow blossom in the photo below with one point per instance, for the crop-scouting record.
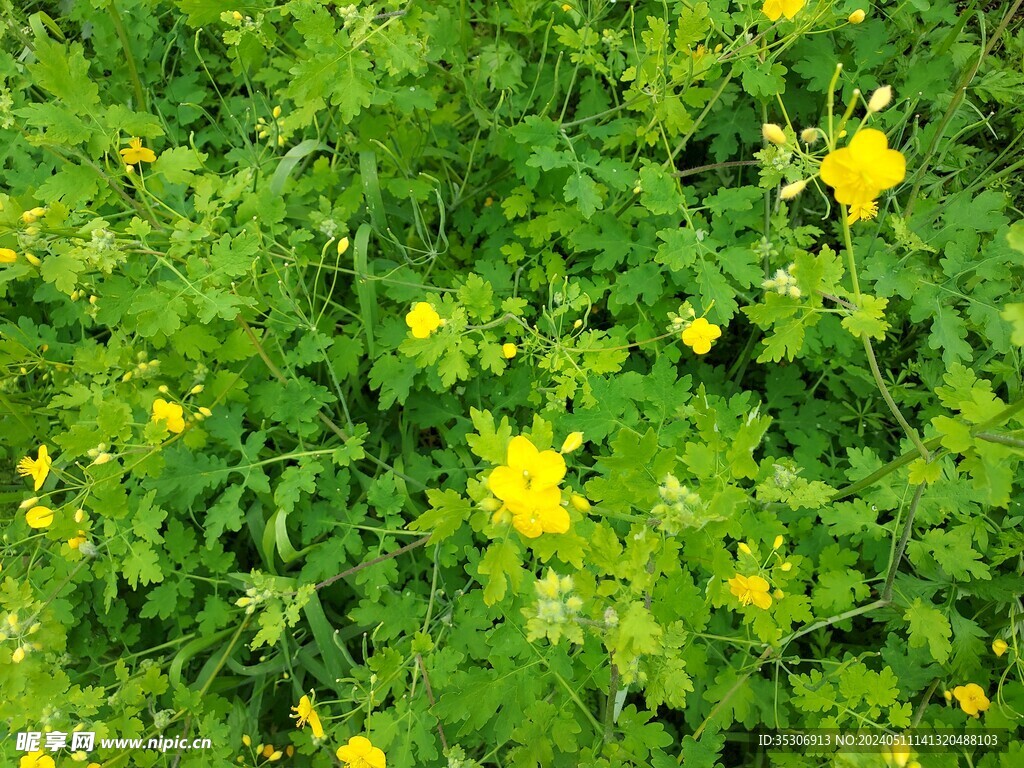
(999, 646)
(37, 468)
(572, 441)
(528, 484)
(566, 7)
(857, 16)
(862, 212)
(7, 256)
(423, 320)
(360, 753)
(77, 541)
(39, 517)
(751, 589)
(860, 171)
(773, 9)
(17, 657)
(136, 153)
(778, 542)
(971, 698)
(38, 759)
(773, 133)
(342, 245)
(508, 350)
(247, 739)
(169, 413)
(304, 713)
(700, 334)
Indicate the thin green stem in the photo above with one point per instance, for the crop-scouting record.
(129, 58)
(909, 430)
(901, 547)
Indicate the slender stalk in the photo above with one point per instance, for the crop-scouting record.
(356, 568)
(911, 432)
(901, 547)
(129, 58)
(430, 698)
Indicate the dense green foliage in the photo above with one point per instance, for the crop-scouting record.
(580, 181)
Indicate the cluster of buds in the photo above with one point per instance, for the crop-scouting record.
(99, 454)
(682, 318)
(556, 610)
(680, 508)
(13, 629)
(253, 597)
(143, 367)
(33, 215)
(784, 283)
(272, 130)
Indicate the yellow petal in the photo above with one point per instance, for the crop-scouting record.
(506, 483)
(521, 453)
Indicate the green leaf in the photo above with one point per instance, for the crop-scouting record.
(929, 627)
(501, 566)
(65, 74)
(868, 319)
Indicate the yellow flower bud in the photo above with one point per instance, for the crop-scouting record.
(103, 458)
(276, 755)
(779, 594)
(792, 190)
(490, 504)
(79, 515)
(92, 300)
(19, 655)
(206, 411)
(33, 260)
(947, 695)
(342, 245)
(162, 389)
(32, 231)
(786, 566)
(277, 112)
(246, 740)
(857, 16)
(12, 620)
(999, 646)
(566, 7)
(28, 503)
(809, 136)
(268, 750)
(508, 350)
(773, 133)
(7, 256)
(236, 15)
(579, 503)
(242, 602)
(880, 99)
(778, 542)
(196, 389)
(742, 547)
(572, 442)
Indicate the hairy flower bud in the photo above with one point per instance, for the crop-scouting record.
(792, 190)
(773, 133)
(880, 99)
(857, 16)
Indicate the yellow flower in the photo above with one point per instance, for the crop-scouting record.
(773, 9)
(37, 759)
(39, 517)
(78, 540)
(528, 484)
(508, 350)
(860, 171)
(751, 589)
(999, 646)
(136, 153)
(304, 713)
(857, 16)
(699, 335)
(7, 256)
(169, 413)
(360, 753)
(862, 212)
(423, 320)
(972, 698)
(37, 468)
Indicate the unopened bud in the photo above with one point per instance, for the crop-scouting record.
(773, 133)
(809, 136)
(792, 190)
(857, 16)
(572, 442)
(342, 245)
(880, 99)
(196, 389)
(28, 503)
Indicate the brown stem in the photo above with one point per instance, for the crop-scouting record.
(430, 698)
(356, 568)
